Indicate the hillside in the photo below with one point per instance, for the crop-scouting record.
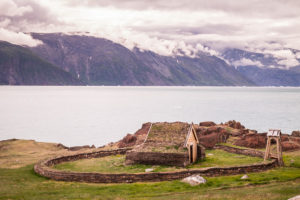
(263, 69)
(20, 66)
(271, 76)
(98, 61)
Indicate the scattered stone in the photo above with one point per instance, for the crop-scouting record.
(245, 177)
(194, 180)
(149, 170)
(295, 198)
(210, 154)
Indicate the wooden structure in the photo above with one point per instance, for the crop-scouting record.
(275, 135)
(168, 144)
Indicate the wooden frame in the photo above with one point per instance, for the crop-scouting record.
(274, 134)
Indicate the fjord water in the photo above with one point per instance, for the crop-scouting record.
(99, 115)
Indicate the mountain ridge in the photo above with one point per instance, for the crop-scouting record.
(99, 61)
(19, 66)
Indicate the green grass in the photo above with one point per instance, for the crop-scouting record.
(280, 183)
(292, 159)
(109, 164)
(215, 158)
(115, 164)
(232, 145)
(23, 183)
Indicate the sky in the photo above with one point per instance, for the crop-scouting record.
(165, 27)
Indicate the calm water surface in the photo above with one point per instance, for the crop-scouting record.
(98, 115)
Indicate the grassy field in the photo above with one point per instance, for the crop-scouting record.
(115, 164)
(279, 183)
(23, 183)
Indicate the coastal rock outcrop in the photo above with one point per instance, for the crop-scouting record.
(252, 140)
(135, 139)
(234, 124)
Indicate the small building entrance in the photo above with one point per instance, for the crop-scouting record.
(191, 153)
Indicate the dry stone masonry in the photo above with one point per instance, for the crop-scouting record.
(44, 169)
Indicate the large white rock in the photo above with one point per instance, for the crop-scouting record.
(295, 198)
(245, 177)
(149, 170)
(194, 180)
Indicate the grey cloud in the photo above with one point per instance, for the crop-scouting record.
(191, 30)
(37, 16)
(271, 8)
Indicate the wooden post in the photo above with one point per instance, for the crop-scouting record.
(276, 135)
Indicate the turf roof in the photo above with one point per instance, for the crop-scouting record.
(166, 137)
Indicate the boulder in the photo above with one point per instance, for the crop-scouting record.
(207, 123)
(194, 180)
(295, 198)
(149, 170)
(245, 177)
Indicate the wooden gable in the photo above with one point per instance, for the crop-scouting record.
(191, 136)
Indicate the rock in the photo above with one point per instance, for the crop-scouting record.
(194, 180)
(295, 198)
(289, 146)
(149, 170)
(252, 140)
(128, 141)
(209, 141)
(235, 125)
(245, 177)
(210, 154)
(207, 123)
(296, 133)
(135, 139)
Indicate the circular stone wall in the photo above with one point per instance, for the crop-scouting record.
(44, 168)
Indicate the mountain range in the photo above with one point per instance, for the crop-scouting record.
(85, 60)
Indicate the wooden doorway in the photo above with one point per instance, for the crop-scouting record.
(191, 153)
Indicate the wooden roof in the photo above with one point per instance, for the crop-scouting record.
(274, 132)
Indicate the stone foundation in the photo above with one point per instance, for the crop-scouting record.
(156, 158)
(44, 169)
(247, 152)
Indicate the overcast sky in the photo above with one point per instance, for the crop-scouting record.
(162, 26)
